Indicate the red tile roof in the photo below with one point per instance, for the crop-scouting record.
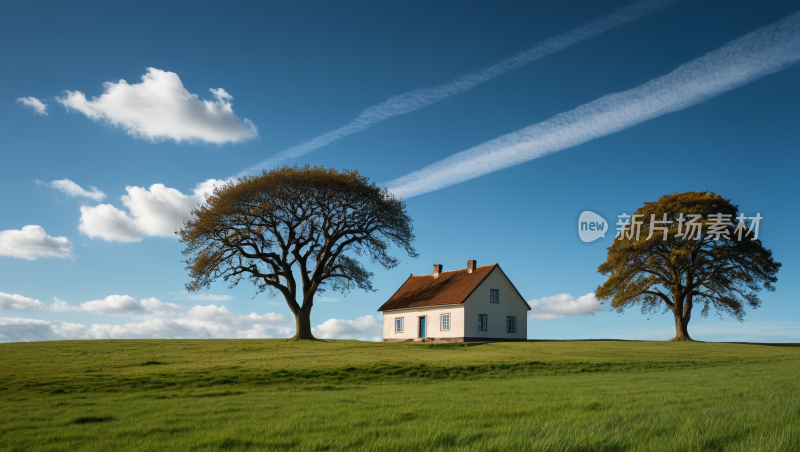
(451, 287)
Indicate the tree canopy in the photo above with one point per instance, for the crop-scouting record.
(685, 250)
(296, 231)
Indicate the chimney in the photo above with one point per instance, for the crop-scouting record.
(437, 268)
(471, 266)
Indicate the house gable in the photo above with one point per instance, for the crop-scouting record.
(505, 319)
(500, 271)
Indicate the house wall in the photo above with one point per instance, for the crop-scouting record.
(510, 305)
(434, 323)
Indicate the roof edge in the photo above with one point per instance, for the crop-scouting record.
(515, 288)
(417, 308)
(456, 270)
(395, 292)
(495, 266)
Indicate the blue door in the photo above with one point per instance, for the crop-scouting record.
(422, 321)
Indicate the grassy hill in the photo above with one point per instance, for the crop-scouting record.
(347, 395)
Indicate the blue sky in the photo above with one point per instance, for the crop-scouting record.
(698, 96)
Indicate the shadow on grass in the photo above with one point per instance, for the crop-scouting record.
(588, 340)
(91, 420)
(449, 345)
(236, 443)
(768, 344)
(218, 394)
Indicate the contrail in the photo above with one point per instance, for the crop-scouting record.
(418, 98)
(766, 50)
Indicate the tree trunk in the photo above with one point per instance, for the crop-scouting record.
(681, 329)
(303, 324)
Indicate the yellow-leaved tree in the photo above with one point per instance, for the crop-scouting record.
(693, 249)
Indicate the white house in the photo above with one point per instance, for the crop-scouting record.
(472, 304)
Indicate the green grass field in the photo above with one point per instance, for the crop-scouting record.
(345, 395)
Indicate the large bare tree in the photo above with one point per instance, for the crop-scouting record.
(296, 223)
(693, 249)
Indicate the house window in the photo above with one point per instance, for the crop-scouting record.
(511, 324)
(483, 323)
(398, 325)
(494, 295)
(445, 322)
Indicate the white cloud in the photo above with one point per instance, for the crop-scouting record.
(268, 317)
(366, 327)
(157, 306)
(221, 314)
(123, 304)
(61, 306)
(265, 332)
(199, 322)
(118, 305)
(160, 107)
(25, 330)
(148, 329)
(112, 305)
(157, 211)
(9, 302)
(34, 104)
(209, 321)
(765, 51)
(418, 98)
(212, 323)
(563, 304)
(108, 223)
(210, 312)
(73, 189)
(206, 188)
(201, 296)
(31, 242)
